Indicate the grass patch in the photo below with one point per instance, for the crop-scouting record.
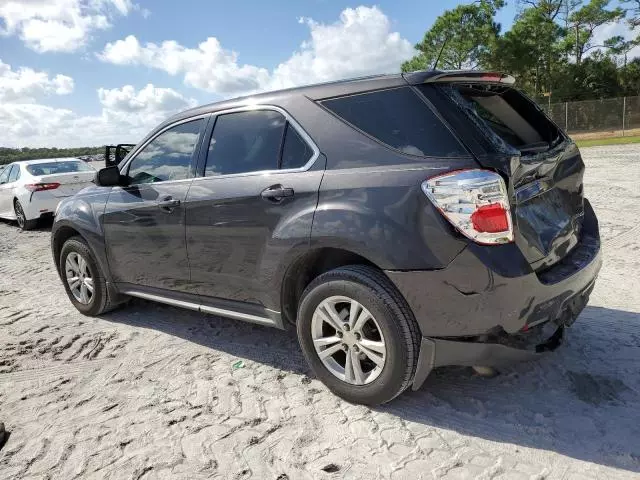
(592, 142)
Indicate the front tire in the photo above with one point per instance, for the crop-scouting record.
(358, 334)
(83, 280)
(21, 218)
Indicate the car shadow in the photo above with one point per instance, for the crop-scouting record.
(44, 225)
(581, 401)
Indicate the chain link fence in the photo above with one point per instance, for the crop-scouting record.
(592, 118)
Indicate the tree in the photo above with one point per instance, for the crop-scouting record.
(549, 9)
(529, 50)
(584, 22)
(630, 78)
(619, 46)
(467, 33)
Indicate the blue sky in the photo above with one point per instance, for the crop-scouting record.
(86, 72)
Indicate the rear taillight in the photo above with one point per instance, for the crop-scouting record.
(475, 202)
(39, 187)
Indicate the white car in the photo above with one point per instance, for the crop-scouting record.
(32, 189)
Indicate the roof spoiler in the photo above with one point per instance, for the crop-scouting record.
(457, 76)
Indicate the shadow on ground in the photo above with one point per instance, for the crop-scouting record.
(581, 401)
(44, 225)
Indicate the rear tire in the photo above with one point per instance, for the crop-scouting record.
(21, 218)
(390, 330)
(78, 266)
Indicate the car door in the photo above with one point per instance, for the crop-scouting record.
(253, 203)
(6, 192)
(143, 221)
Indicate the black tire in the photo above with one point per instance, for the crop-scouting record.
(372, 289)
(23, 223)
(101, 300)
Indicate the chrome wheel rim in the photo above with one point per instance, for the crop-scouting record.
(348, 340)
(20, 215)
(79, 278)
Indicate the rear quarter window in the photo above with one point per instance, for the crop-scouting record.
(400, 119)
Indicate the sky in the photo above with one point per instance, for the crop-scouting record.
(90, 72)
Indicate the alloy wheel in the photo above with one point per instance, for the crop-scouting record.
(22, 220)
(79, 278)
(348, 340)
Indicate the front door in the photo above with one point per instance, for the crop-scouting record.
(144, 221)
(254, 203)
(6, 192)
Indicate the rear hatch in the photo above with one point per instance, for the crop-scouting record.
(509, 133)
(71, 176)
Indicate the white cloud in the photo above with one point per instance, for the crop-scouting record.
(24, 84)
(144, 108)
(58, 25)
(126, 116)
(208, 67)
(361, 42)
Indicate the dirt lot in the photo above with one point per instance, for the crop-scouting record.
(150, 391)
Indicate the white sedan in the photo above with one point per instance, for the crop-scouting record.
(32, 189)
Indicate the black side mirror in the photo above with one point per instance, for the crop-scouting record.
(108, 176)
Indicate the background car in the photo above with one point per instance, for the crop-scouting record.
(32, 189)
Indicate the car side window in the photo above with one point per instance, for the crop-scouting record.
(4, 176)
(296, 152)
(245, 142)
(400, 119)
(15, 174)
(168, 156)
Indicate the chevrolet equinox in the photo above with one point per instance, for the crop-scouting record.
(398, 222)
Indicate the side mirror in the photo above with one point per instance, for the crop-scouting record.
(108, 176)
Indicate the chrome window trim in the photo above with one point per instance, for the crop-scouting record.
(292, 121)
(125, 167)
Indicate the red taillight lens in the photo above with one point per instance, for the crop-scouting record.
(490, 219)
(38, 187)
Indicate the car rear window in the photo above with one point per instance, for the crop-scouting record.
(400, 119)
(50, 168)
(506, 113)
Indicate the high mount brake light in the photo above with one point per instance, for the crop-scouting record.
(475, 202)
(39, 187)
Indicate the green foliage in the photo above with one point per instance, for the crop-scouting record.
(550, 47)
(8, 155)
(465, 35)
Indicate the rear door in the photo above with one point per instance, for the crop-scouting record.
(253, 204)
(144, 222)
(508, 132)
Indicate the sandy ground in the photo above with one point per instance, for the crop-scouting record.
(150, 391)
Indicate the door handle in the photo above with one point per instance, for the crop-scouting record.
(169, 204)
(276, 193)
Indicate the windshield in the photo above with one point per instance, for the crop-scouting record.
(53, 167)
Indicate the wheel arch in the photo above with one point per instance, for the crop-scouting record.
(306, 267)
(59, 237)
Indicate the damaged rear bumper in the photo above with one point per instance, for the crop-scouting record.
(438, 352)
(489, 308)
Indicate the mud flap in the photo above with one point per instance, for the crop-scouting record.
(426, 362)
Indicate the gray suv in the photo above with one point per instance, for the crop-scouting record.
(398, 222)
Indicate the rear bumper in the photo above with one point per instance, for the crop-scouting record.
(39, 204)
(489, 308)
